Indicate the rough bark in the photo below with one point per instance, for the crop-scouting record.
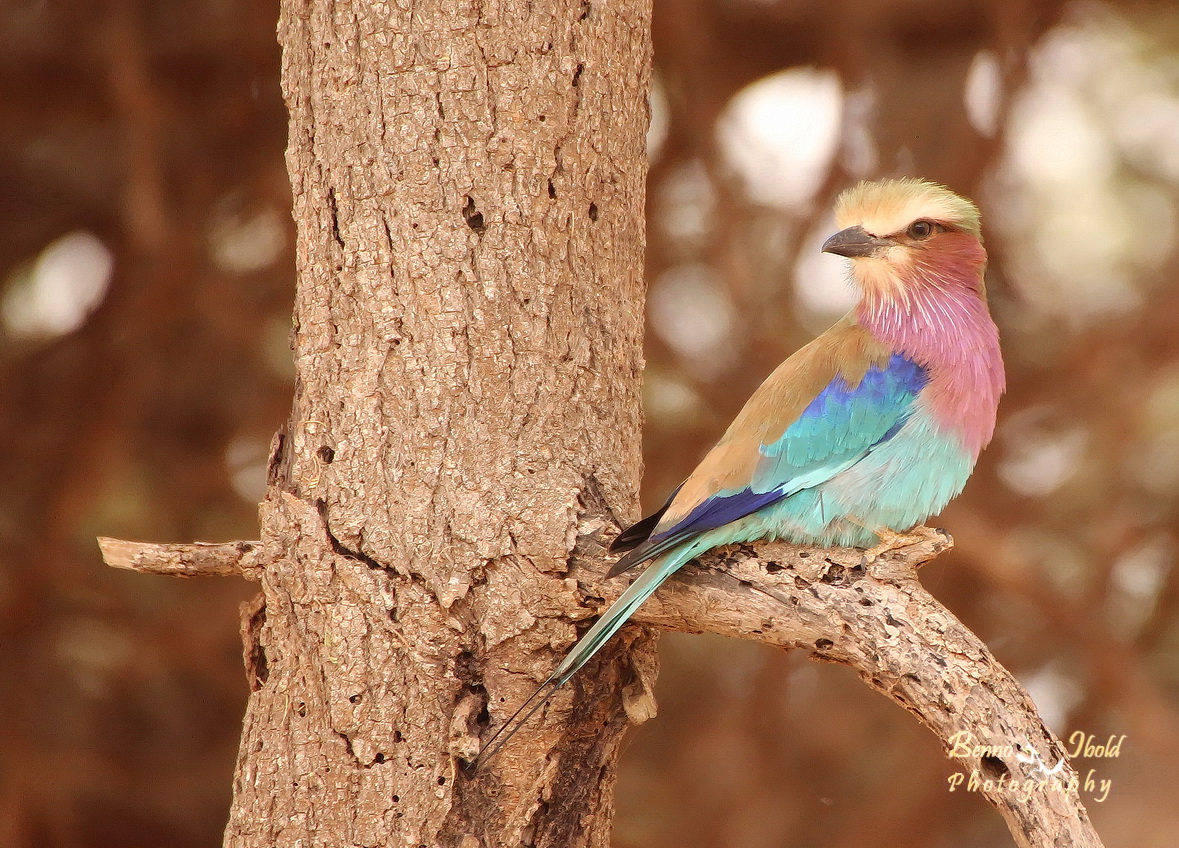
(469, 188)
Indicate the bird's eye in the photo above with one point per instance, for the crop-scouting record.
(922, 229)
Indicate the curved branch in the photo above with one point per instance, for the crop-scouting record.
(878, 619)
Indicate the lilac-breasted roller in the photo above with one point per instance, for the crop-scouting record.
(862, 434)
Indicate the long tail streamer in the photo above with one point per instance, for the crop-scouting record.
(581, 653)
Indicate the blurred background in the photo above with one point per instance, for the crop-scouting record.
(146, 277)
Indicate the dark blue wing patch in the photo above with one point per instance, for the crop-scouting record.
(718, 510)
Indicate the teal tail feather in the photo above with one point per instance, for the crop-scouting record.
(589, 644)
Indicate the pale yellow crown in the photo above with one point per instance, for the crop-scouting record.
(887, 207)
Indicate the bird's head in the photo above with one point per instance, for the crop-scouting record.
(906, 234)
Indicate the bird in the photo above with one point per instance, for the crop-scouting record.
(859, 436)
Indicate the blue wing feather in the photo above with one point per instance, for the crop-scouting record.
(840, 426)
(837, 429)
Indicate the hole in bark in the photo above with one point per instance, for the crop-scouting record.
(335, 213)
(397, 737)
(593, 212)
(466, 669)
(301, 710)
(994, 767)
(773, 567)
(865, 602)
(396, 799)
(379, 758)
(474, 217)
(824, 645)
(804, 554)
(834, 574)
(542, 119)
(260, 666)
(326, 454)
(580, 68)
(552, 191)
(442, 781)
(354, 699)
(276, 456)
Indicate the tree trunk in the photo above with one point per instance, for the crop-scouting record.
(468, 182)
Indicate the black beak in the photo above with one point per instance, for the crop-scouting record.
(856, 242)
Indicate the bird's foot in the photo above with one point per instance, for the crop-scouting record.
(893, 541)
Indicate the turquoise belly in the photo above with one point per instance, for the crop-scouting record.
(897, 486)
